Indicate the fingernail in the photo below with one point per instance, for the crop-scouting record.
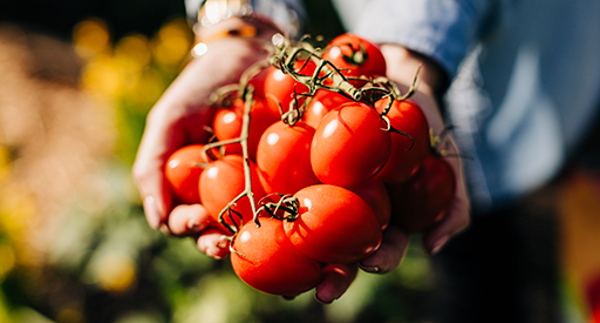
(223, 242)
(214, 253)
(369, 269)
(321, 301)
(195, 225)
(151, 212)
(437, 246)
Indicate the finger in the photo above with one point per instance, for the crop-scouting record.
(188, 219)
(156, 146)
(336, 280)
(457, 219)
(214, 243)
(390, 253)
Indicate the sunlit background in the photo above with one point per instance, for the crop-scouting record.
(77, 79)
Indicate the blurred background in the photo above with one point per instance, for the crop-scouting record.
(77, 79)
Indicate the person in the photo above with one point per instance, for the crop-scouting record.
(519, 80)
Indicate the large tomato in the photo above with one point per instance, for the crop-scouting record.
(355, 56)
(228, 121)
(334, 225)
(422, 202)
(283, 158)
(222, 181)
(265, 259)
(280, 87)
(350, 145)
(183, 170)
(405, 116)
(322, 102)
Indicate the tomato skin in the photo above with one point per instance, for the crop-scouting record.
(283, 158)
(350, 146)
(375, 194)
(404, 161)
(420, 203)
(334, 225)
(228, 121)
(322, 102)
(279, 87)
(343, 48)
(182, 171)
(270, 263)
(222, 181)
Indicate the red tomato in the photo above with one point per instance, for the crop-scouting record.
(334, 225)
(375, 194)
(350, 146)
(404, 161)
(222, 181)
(355, 56)
(422, 202)
(280, 87)
(266, 260)
(283, 158)
(183, 169)
(323, 102)
(228, 121)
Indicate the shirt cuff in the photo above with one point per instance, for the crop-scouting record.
(287, 15)
(441, 30)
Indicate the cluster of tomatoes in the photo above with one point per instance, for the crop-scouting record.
(310, 165)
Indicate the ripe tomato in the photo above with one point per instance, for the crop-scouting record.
(183, 169)
(355, 56)
(228, 121)
(280, 87)
(350, 146)
(322, 102)
(222, 181)
(405, 116)
(375, 194)
(265, 259)
(423, 201)
(334, 225)
(283, 158)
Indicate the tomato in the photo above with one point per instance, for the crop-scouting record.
(183, 169)
(334, 225)
(350, 145)
(422, 202)
(283, 158)
(222, 181)
(375, 194)
(228, 121)
(405, 116)
(280, 87)
(355, 56)
(322, 102)
(265, 259)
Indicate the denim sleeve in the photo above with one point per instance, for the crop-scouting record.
(444, 30)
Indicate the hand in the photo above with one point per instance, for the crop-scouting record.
(402, 65)
(178, 119)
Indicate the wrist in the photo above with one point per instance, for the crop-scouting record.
(402, 64)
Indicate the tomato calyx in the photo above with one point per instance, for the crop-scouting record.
(287, 203)
(358, 57)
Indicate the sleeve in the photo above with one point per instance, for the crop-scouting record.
(287, 15)
(443, 30)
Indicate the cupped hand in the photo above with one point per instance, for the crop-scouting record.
(401, 68)
(179, 118)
